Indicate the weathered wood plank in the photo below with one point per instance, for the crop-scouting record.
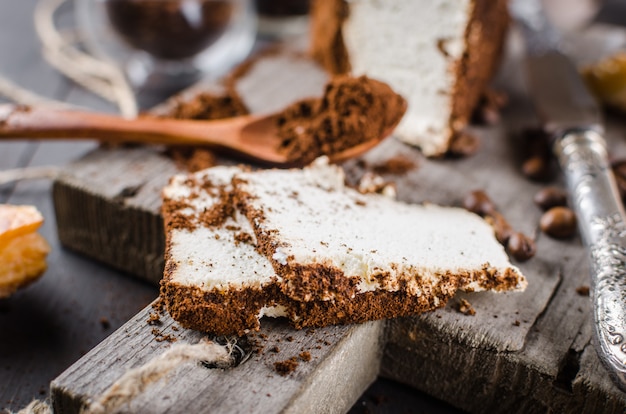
(107, 207)
(344, 361)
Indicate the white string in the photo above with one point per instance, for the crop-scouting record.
(100, 77)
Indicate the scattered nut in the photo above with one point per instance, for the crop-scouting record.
(501, 227)
(550, 197)
(487, 111)
(466, 308)
(537, 165)
(558, 222)
(536, 168)
(463, 145)
(583, 290)
(479, 202)
(521, 247)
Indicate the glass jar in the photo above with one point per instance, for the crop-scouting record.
(168, 44)
(280, 19)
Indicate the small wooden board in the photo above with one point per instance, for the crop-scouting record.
(531, 350)
(344, 360)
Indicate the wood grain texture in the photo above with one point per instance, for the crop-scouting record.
(344, 361)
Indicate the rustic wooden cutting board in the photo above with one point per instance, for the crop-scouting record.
(529, 352)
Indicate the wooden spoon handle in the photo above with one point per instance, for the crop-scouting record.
(30, 122)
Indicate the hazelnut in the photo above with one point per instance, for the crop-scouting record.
(521, 247)
(558, 222)
(536, 168)
(501, 227)
(463, 145)
(550, 197)
(479, 202)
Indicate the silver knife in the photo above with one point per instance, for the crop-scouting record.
(573, 118)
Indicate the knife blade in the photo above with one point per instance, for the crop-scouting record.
(572, 116)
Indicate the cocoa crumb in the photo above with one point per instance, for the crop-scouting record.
(242, 237)
(202, 106)
(104, 322)
(154, 319)
(192, 159)
(490, 104)
(286, 367)
(466, 308)
(397, 165)
(275, 349)
(160, 336)
(379, 399)
(158, 305)
(583, 290)
(305, 356)
(516, 323)
(207, 106)
(374, 183)
(289, 338)
(463, 145)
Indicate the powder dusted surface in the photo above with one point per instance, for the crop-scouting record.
(352, 111)
(207, 245)
(298, 243)
(310, 219)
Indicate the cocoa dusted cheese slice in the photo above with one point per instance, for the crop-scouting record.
(22, 250)
(300, 244)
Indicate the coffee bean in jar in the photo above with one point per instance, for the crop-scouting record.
(170, 29)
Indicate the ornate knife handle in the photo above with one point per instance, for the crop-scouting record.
(583, 157)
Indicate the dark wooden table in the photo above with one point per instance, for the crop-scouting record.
(51, 324)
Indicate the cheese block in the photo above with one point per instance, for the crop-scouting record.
(22, 250)
(301, 244)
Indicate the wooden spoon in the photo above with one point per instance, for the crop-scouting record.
(252, 136)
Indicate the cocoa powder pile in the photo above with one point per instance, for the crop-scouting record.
(352, 111)
(203, 106)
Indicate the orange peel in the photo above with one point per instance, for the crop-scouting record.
(22, 250)
(607, 80)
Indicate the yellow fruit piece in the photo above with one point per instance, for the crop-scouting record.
(607, 80)
(22, 261)
(22, 250)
